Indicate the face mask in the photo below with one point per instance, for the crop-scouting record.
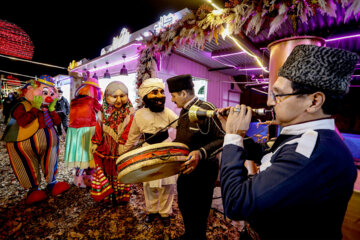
(155, 104)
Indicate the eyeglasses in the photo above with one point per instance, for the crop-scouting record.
(277, 99)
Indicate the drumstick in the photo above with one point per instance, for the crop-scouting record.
(155, 134)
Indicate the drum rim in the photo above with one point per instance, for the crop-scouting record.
(152, 146)
(145, 163)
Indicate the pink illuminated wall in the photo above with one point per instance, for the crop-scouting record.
(219, 84)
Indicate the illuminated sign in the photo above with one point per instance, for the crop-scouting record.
(118, 41)
(124, 37)
(165, 21)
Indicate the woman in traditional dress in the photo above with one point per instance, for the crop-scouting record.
(83, 111)
(108, 142)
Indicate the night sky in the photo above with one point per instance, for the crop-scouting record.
(62, 32)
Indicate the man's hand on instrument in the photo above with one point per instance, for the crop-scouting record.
(238, 120)
(222, 117)
(192, 161)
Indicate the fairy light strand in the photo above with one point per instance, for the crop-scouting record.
(237, 43)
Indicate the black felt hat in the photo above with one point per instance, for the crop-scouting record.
(324, 68)
(181, 82)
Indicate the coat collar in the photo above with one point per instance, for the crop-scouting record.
(301, 128)
(193, 101)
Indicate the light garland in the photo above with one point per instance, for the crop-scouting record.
(226, 33)
(14, 41)
(17, 74)
(214, 5)
(29, 61)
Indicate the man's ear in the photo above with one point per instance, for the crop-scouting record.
(183, 93)
(317, 101)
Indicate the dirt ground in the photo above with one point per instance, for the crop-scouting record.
(74, 215)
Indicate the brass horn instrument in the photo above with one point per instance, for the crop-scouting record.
(197, 113)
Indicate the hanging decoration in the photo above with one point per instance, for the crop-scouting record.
(184, 31)
(253, 15)
(207, 24)
(14, 41)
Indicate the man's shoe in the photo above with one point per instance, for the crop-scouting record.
(150, 217)
(35, 196)
(166, 221)
(59, 188)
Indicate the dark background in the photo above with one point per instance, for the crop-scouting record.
(62, 31)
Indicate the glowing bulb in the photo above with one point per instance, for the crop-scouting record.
(212, 4)
(226, 32)
(218, 11)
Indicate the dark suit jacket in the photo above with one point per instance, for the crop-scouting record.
(204, 135)
(298, 197)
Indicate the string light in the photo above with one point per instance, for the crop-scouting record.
(214, 5)
(30, 61)
(226, 33)
(14, 41)
(17, 74)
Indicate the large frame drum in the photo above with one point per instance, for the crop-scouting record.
(151, 162)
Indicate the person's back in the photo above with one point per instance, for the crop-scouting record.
(82, 112)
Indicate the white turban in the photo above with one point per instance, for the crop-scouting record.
(149, 85)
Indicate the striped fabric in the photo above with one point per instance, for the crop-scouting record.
(121, 192)
(100, 186)
(47, 119)
(28, 156)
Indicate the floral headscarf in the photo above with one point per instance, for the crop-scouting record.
(113, 117)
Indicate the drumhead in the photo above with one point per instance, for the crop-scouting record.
(151, 162)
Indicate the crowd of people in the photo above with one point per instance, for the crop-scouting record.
(301, 190)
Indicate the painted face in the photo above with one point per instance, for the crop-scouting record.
(157, 93)
(178, 98)
(155, 100)
(289, 109)
(48, 93)
(117, 99)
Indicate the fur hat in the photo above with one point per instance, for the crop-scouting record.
(149, 85)
(181, 82)
(324, 68)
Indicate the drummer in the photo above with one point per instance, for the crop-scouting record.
(159, 194)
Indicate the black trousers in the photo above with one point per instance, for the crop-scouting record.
(195, 192)
(64, 123)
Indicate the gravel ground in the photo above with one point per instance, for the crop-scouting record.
(74, 215)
